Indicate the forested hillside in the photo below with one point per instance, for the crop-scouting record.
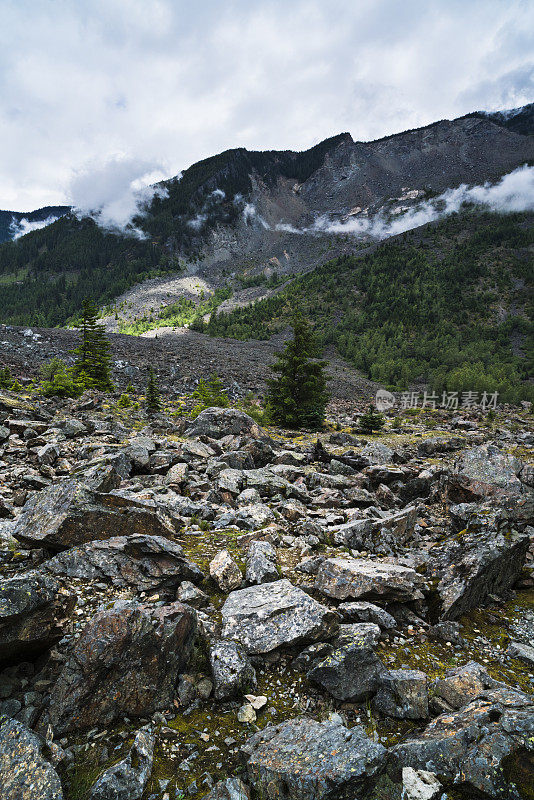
(448, 303)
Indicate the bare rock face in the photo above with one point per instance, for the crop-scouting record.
(484, 749)
(486, 558)
(127, 779)
(219, 422)
(263, 618)
(125, 662)
(225, 572)
(25, 774)
(232, 672)
(484, 471)
(68, 514)
(32, 611)
(355, 578)
(306, 760)
(148, 563)
(351, 671)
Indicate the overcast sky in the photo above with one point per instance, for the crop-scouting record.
(143, 88)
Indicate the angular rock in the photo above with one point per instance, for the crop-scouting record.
(225, 572)
(484, 471)
(486, 558)
(229, 789)
(352, 671)
(343, 578)
(177, 475)
(361, 611)
(462, 685)
(218, 422)
(25, 774)
(261, 562)
(125, 662)
(148, 563)
(127, 779)
(485, 749)
(68, 514)
(383, 535)
(33, 609)
(418, 784)
(306, 760)
(232, 672)
(403, 693)
(263, 618)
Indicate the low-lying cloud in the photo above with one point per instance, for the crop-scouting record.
(20, 227)
(514, 192)
(115, 192)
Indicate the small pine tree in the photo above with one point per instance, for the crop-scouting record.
(297, 397)
(5, 378)
(153, 400)
(371, 421)
(93, 361)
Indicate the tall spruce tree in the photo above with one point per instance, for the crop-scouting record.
(297, 397)
(153, 400)
(93, 361)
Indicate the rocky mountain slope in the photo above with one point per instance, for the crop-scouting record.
(246, 213)
(207, 609)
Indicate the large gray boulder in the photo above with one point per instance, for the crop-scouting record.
(351, 671)
(484, 471)
(306, 760)
(263, 618)
(381, 536)
(229, 789)
(147, 563)
(403, 694)
(69, 513)
(261, 562)
(357, 578)
(218, 422)
(125, 662)
(485, 749)
(232, 672)
(33, 609)
(25, 774)
(485, 558)
(127, 779)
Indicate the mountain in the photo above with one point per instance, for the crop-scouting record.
(449, 304)
(242, 215)
(21, 222)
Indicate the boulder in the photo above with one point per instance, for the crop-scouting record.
(462, 685)
(361, 611)
(229, 789)
(265, 617)
(261, 562)
(68, 514)
(33, 609)
(486, 558)
(218, 422)
(127, 779)
(419, 784)
(232, 672)
(125, 662)
(306, 760)
(343, 578)
(485, 749)
(147, 563)
(25, 774)
(225, 572)
(403, 693)
(384, 535)
(351, 671)
(484, 471)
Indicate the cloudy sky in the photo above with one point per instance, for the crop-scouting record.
(98, 93)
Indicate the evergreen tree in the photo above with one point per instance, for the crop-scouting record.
(92, 365)
(297, 397)
(153, 400)
(371, 421)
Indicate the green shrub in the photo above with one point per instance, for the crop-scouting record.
(209, 393)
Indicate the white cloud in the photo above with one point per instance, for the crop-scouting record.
(164, 82)
(114, 192)
(514, 192)
(20, 227)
